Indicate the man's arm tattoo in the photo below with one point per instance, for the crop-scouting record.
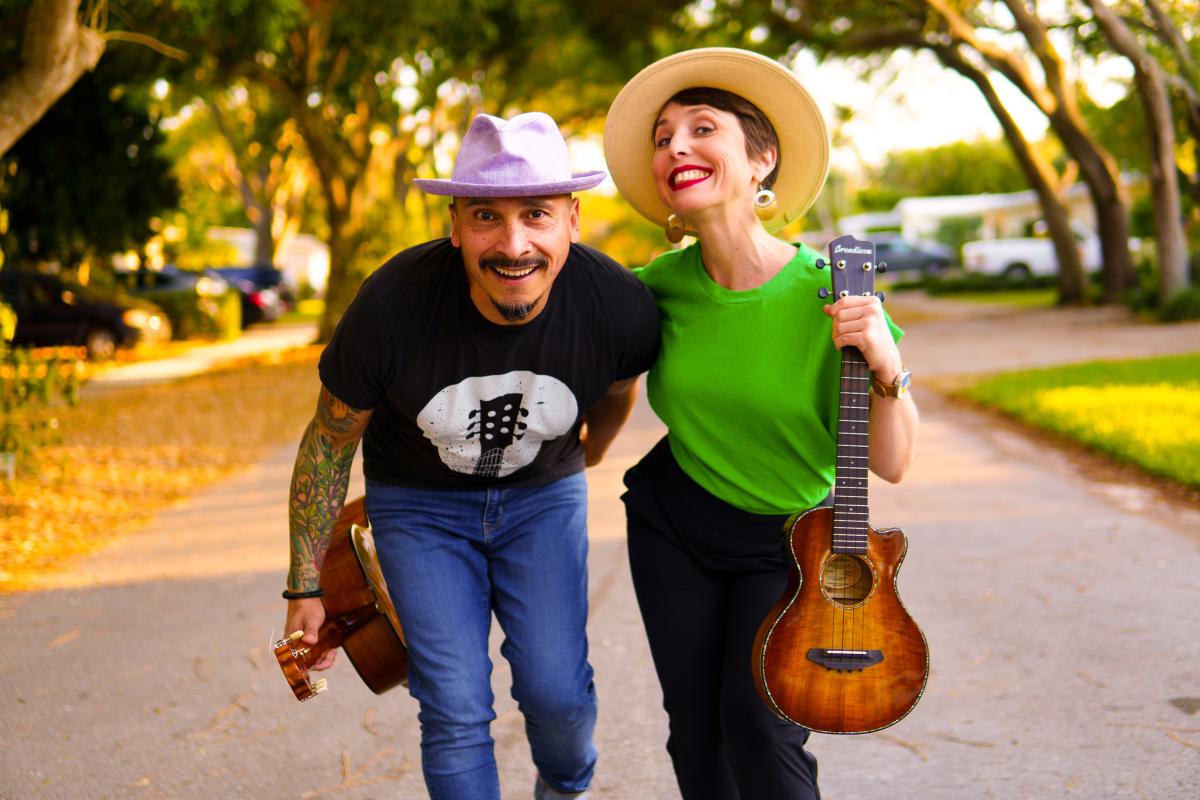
(319, 482)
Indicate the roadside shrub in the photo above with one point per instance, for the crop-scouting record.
(1183, 306)
(1143, 295)
(33, 383)
(973, 282)
(192, 315)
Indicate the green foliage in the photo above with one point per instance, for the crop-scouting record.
(1144, 296)
(971, 282)
(952, 169)
(8, 323)
(1146, 412)
(85, 181)
(1183, 306)
(957, 231)
(196, 316)
(33, 383)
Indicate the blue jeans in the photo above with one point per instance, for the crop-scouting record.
(451, 557)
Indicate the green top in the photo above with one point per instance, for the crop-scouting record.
(747, 382)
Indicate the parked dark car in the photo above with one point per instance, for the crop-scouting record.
(265, 293)
(901, 255)
(54, 311)
(197, 302)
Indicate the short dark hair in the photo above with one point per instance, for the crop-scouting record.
(758, 130)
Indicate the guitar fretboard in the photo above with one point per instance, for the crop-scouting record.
(850, 481)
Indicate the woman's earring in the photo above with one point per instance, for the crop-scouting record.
(765, 204)
(674, 230)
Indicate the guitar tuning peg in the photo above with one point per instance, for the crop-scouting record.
(821, 263)
(880, 295)
(881, 268)
(822, 293)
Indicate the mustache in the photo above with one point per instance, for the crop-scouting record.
(513, 263)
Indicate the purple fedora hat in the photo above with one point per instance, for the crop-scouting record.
(521, 157)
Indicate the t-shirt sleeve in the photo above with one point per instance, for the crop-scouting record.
(358, 363)
(643, 334)
(897, 331)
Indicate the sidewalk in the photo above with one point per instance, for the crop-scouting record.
(253, 341)
(1061, 613)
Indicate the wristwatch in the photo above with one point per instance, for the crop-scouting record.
(897, 389)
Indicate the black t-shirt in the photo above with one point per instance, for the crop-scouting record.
(461, 402)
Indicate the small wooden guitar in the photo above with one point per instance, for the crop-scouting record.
(359, 616)
(839, 653)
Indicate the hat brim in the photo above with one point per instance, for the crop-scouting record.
(451, 188)
(803, 137)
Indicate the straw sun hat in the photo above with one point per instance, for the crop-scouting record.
(803, 138)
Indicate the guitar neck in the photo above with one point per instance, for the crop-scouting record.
(850, 481)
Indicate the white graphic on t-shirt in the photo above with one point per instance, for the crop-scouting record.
(493, 425)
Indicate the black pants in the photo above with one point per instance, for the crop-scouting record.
(706, 574)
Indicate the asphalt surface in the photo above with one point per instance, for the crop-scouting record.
(1061, 606)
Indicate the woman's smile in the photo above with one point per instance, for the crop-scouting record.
(688, 175)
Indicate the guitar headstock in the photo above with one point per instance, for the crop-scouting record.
(852, 268)
(294, 657)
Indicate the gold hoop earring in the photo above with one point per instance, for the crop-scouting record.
(674, 229)
(765, 204)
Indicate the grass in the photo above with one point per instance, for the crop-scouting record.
(126, 453)
(305, 311)
(1021, 298)
(1145, 411)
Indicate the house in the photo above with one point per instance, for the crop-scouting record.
(1000, 216)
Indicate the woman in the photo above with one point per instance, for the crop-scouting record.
(746, 383)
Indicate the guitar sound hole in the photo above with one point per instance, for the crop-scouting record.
(846, 580)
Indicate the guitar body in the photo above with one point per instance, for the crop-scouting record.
(359, 616)
(839, 653)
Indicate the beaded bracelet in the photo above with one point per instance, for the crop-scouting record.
(288, 594)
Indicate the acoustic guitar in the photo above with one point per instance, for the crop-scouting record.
(839, 653)
(359, 616)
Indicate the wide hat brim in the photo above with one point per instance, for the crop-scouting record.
(452, 188)
(803, 136)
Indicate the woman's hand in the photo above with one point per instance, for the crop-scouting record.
(859, 322)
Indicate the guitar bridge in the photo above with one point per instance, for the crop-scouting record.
(845, 660)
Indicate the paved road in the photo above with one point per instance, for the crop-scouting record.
(1062, 612)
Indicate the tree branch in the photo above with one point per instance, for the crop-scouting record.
(55, 52)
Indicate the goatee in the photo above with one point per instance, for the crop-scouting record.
(514, 313)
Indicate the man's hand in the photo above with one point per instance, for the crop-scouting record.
(308, 615)
(603, 420)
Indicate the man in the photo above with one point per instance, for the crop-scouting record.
(485, 371)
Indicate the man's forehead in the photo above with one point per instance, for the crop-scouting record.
(540, 201)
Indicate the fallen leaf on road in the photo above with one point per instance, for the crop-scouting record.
(368, 723)
(69, 636)
(955, 740)
(1099, 684)
(1182, 740)
(911, 746)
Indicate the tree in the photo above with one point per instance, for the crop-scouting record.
(58, 46)
(952, 169)
(86, 181)
(1171, 242)
(54, 52)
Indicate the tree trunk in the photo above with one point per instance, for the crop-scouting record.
(341, 288)
(1098, 167)
(55, 51)
(1041, 176)
(264, 236)
(1170, 240)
